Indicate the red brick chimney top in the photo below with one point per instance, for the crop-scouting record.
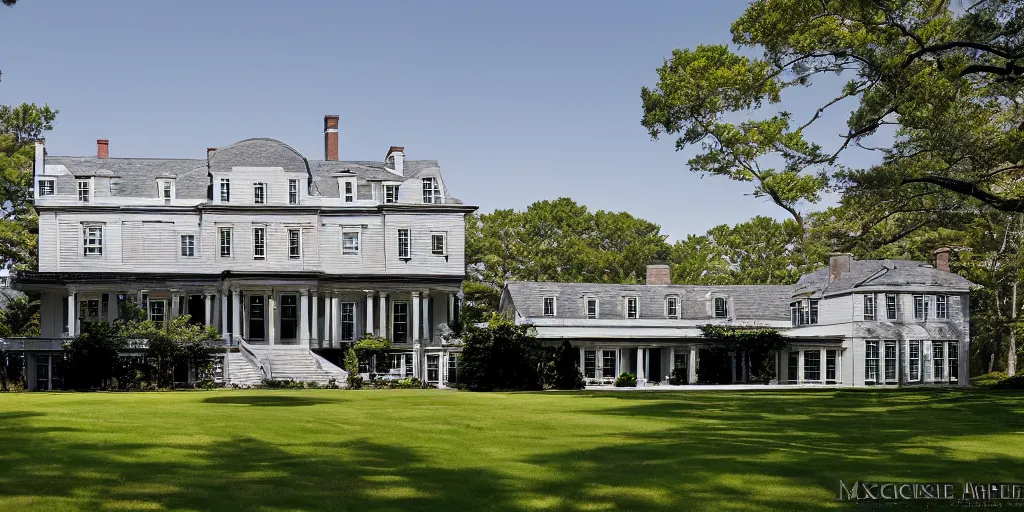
(102, 148)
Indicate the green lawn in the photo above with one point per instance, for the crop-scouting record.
(434, 450)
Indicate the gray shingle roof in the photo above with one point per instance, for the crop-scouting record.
(135, 177)
(898, 273)
(255, 153)
(746, 302)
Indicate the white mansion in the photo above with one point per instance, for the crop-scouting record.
(855, 323)
(284, 255)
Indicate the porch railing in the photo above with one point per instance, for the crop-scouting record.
(247, 352)
(31, 344)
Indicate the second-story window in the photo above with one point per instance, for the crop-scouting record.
(188, 245)
(920, 311)
(294, 249)
(437, 244)
(941, 310)
(350, 242)
(813, 309)
(259, 243)
(721, 307)
(83, 191)
(46, 187)
(225, 242)
(672, 307)
(431, 191)
(891, 306)
(225, 190)
(549, 306)
(293, 191)
(390, 193)
(869, 307)
(404, 250)
(92, 240)
(592, 309)
(259, 193)
(350, 193)
(796, 312)
(632, 307)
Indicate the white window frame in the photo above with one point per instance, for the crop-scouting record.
(597, 308)
(725, 307)
(84, 190)
(869, 298)
(347, 196)
(225, 190)
(408, 327)
(444, 243)
(674, 301)
(149, 311)
(293, 191)
(188, 246)
(92, 241)
(259, 242)
(952, 347)
(351, 251)
(297, 246)
(220, 241)
(431, 190)
(911, 359)
(942, 306)
(807, 369)
(165, 189)
(407, 255)
(636, 308)
(895, 306)
(47, 187)
(920, 313)
(351, 321)
(940, 361)
(259, 193)
(886, 360)
(876, 359)
(554, 306)
(392, 200)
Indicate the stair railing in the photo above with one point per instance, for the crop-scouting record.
(248, 353)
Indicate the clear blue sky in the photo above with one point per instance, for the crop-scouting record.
(520, 101)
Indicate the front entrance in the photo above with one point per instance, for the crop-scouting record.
(257, 323)
(196, 309)
(654, 365)
(289, 317)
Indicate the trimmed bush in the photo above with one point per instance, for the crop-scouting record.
(1015, 382)
(354, 380)
(626, 380)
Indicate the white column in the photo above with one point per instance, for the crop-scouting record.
(823, 364)
(335, 319)
(236, 316)
(415, 317)
(304, 318)
(383, 332)
(111, 308)
(800, 367)
(315, 321)
(271, 317)
(417, 361)
(225, 327)
(72, 311)
(691, 365)
(208, 299)
(328, 318)
(671, 361)
(451, 307)
(640, 364)
(175, 312)
(427, 317)
(369, 312)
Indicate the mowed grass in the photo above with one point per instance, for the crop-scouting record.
(290, 450)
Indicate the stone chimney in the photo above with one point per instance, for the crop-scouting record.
(659, 274)
(398, 154)
(330, 137)
(839, 264)
(942, 258)
(102, 148)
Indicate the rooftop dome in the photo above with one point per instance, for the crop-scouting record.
(260, 152)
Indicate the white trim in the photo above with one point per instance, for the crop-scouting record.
(554, 306)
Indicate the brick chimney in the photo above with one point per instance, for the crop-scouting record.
(942, 258)
(838, 264)
(330, 137)
(102, 148)
(659, 274)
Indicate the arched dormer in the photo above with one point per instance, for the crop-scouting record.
(258, 152)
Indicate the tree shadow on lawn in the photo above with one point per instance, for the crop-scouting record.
(243, 473)
(268, 400)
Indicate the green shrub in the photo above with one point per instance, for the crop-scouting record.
(679, 377)
(502, 356)
(626, 380)
(354, 380)
(988, 379)
(567, 374)
(332, 383)
(1015, 382)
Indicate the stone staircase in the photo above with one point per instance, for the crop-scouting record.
(241, 373)
(301, 365)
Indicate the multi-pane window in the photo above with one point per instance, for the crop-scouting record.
(46, 187)
(870, 361)
(721, 307)
(83, 191)
(631, 307)
(549, 306)
(453, 368)
(796, 311)
(953, 355)
(672, 307)
(188, 245)
(891, 307)
(164, 190)
(813, 309)
(591, 308)
(348, 321)
(225, 190)
(259, 193)
(590, 364)
(831, 365)
(289, 317)
(92, 240)
(941, 311)
(225, 242)
(433, 367)
(914, 361)
(938, 361)
(89, 310)
(890, 361)
(158, 311)
(812, 365)
(350, 194)
(607, 363)
(259, 243)
(399, 321)
(431, 191)
(920, 308)
(403, 244)
(390, 193)
(869, 307)
(803, 312)
(294, 245)
(437, 244)
(793, 365)
(350, 242)
(293, 191)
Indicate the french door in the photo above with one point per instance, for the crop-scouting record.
(257, 317)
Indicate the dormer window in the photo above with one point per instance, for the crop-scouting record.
(225, 190)
(672, 307)
(549, 306)
(632, 307)
(592, 308)
(390, 194)
(349, 191)
(431, 191)
(803, 312)
(165, 189)
(45, 187)
(293, 191)
(259, 193)
(721, 307)
(83, 191)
